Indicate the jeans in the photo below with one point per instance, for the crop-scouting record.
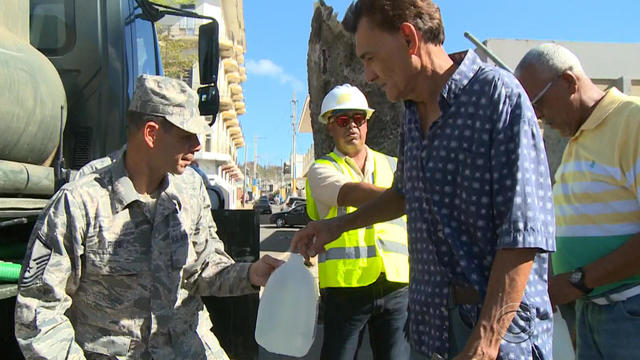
(608, 331)
(382, 306)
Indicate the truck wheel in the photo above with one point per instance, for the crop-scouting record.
(280, 222)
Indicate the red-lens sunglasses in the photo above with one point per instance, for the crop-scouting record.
(343, 120)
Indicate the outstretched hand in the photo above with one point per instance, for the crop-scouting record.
(311, 240)
(260, 270)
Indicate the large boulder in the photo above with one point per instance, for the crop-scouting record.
(332, 61)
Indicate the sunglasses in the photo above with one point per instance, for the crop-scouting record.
(544, 90)
(344, 119)
(537, 100)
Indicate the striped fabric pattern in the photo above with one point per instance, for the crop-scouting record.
(596, 191)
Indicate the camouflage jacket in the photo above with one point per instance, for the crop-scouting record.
(104, 279)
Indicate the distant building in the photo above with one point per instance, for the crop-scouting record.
(608, 65)
(303, 162)
(219, 155)
(304, 126)
(307, 160)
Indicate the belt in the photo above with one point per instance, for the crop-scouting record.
(619, 296)
(381, 282)
(464, 295)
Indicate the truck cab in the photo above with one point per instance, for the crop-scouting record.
(98, 49)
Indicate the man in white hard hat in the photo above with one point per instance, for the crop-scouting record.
(364, 273)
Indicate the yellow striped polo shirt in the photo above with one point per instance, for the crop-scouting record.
(597, 185)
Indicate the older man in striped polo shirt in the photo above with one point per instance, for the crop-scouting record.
(596, 199)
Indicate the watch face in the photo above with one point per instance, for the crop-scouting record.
(575, 277)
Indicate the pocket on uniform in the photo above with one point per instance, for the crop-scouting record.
(111, 263)
(179, 249)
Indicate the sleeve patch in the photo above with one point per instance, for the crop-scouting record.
(40, 256)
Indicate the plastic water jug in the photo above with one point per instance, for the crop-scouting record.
(288, 310)
(562, 346)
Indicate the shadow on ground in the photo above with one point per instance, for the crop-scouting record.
(314, 353)
(279, 241)
(264, 219)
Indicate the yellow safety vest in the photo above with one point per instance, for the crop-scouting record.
(359, 256)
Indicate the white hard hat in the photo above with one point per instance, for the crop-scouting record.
(345, 97)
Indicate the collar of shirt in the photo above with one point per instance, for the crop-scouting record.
(368, 164)
(610, 101)
(461, 77)
(123, 189)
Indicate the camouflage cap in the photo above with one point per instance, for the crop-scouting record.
(170, 98)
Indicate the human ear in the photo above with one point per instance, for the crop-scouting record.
(150, 133)
(570, 78)
(410, 36)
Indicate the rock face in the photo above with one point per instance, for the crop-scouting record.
(332, 61)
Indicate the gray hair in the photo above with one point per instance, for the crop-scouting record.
(552, 58)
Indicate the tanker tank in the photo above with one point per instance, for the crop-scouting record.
(32, 106)
(31, 92)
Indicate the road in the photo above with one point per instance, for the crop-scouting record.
(275, 242)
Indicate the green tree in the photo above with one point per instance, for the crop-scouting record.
(178, 55)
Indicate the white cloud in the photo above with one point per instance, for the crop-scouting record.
(266, 67)
(263, 67)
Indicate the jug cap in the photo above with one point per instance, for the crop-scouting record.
(296, 258)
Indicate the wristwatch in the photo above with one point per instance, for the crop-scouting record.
(577, 280)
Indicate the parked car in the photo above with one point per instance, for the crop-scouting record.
(262, 206)
(289, 203)
(295, 216)
(298, 202)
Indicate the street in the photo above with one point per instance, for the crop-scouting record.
(275, 242)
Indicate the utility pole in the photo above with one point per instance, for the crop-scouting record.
(244, 177)
(293, 162)
(255, 162)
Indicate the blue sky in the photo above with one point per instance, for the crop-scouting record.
(278, 35)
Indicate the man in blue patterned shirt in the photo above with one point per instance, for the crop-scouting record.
(473, 179)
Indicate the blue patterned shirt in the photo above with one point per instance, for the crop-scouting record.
(477, 182)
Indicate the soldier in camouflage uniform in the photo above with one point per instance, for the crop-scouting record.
(117, 263)
(97, 164)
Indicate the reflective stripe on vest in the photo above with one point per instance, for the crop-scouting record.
(393, 247)
(345, 253)
(358, 256)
